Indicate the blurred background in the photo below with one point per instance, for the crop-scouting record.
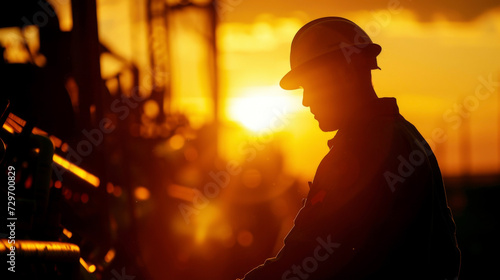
(177, 156)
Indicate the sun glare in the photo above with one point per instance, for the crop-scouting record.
(262, 108)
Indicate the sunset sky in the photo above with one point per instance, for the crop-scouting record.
(439, 59)
(433, 57)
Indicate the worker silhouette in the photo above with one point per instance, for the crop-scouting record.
(377, 207)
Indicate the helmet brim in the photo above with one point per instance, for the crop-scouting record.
(289, 81)
(292, 79)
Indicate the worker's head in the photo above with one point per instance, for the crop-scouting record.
(331, 59)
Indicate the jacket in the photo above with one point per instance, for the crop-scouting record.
(376, 208)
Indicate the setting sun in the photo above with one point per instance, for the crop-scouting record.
(258, 108)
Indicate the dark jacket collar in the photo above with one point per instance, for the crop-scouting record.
(380, 107)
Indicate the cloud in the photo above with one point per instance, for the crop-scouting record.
(452, 10)
(265, 34)
(425, 10)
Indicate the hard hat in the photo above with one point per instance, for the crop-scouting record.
(322, 37)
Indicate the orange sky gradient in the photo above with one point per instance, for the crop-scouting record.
(429, 67)
(430, 62)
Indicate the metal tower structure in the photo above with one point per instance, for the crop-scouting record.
(160, 14)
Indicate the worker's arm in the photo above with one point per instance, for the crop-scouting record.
(337, 233)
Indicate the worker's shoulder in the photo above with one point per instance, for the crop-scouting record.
(380, 137)
(375, 130)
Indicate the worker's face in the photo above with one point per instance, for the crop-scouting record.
(328, 92)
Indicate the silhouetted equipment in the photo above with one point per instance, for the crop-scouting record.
(40, 107)
(171, 22)
(36, 89)
(86, 64)
(47, 251)
(76, 202)
(29, 158)
(159, 51)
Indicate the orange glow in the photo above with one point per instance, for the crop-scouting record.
(110, 188)
(21, 44)
(251, 178)
(210, 223)
(17, 119)
(273, 143)
(64, 147)
(90, 268)
(176, 142)
(141, 193)
(110, 255)
(191, 59)
(63, 10)
(14, 125)
(261, 108)
(38, 131)
(151, 109)
(117, 191)
(191, 154)
(28, 182)
(8, 128)
(181, 192)
(58, 184)
(247, 48)
(245, 238)
(45, 249)
(205, 222)
(68, 233)
(56, 141)
(84, 198)
(90, 178)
